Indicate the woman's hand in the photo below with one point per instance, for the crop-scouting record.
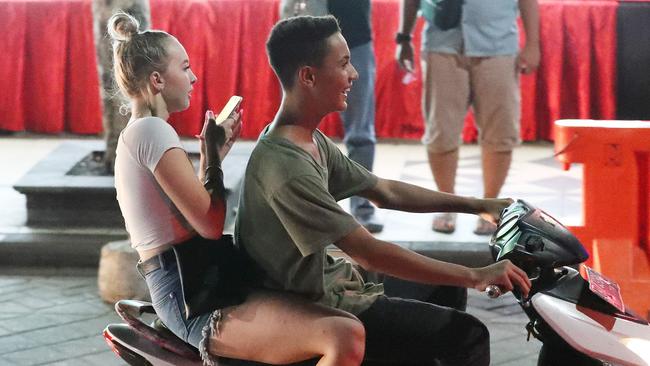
(492, 208)
(212, 136)
(219, 138)
(232, 126)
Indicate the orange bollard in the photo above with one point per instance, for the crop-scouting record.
(616, 202)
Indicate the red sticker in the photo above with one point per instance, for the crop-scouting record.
(606, 289)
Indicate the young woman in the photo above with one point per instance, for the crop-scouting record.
(165, 204)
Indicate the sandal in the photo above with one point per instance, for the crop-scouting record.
(484, 227)
(444, 223)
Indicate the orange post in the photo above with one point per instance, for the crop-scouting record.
(616, 169)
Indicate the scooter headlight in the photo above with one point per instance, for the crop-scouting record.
(531, 238)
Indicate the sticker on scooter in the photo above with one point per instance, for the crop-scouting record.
(605, 288)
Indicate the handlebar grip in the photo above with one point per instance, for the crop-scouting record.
(493, 291)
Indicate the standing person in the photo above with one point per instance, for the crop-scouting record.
(359, 118)
(293, 180)
(164, 204)
(471, 56)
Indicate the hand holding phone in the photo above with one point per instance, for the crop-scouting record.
(227, 132)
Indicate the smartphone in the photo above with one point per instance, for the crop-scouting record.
(231, 106)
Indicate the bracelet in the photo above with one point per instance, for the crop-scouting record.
(214, 181)
(402, 37)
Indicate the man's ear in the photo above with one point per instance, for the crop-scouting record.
(306, 76)
(156, 82)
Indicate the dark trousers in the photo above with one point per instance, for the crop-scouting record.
(425, 325)
(416, 324)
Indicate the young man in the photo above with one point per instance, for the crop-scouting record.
(289, 214)
(359, 117)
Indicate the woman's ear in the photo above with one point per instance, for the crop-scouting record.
(157, 82)
(306, 76)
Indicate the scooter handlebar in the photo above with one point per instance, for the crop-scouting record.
(493, 291)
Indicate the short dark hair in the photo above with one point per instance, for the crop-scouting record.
(299, 41)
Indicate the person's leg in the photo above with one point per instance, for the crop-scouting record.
(409, 332)
(496, 165)
(279, 328)
(269, 327)
(445, 98)
(497, 108)
(449, 296)
(359, 125)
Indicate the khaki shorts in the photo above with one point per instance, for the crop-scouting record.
(452, 83)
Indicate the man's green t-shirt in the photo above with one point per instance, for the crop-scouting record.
(288, 215)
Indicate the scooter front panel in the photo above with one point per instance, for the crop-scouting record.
(595, 334)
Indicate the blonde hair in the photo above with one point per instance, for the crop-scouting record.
(136, 54)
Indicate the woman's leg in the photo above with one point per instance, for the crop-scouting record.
(279, 328)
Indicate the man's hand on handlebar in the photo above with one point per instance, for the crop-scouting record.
(492, 208)
(503, 274)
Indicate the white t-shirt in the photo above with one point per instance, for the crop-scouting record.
(152, 220)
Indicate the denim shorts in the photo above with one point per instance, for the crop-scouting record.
(167, 299)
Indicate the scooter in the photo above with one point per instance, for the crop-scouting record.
(578, 315)
(580, 321)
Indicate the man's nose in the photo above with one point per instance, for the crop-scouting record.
(355, 74)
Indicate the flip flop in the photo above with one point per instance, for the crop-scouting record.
(444, 223)
(484, 227)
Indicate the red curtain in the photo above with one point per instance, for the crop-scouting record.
(50, 85)
(48, 74)
(577, 76)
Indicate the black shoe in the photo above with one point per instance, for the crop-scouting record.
(370, 222)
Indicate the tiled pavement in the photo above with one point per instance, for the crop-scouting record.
(55, 317)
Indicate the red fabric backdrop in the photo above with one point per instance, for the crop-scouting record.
(49, 79)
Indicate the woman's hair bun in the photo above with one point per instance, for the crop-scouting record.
(122, 26)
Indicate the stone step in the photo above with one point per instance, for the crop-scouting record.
(55, 248)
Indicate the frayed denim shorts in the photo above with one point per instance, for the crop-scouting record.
(167, 298)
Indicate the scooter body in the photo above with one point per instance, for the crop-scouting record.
(580, 321)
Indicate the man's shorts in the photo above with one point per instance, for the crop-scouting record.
(454, 82)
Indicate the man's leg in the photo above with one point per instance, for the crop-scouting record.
(409, 332)
(445, 99)
(443, 168)
(359, 124)
(449, 296)
(496, 165)
(497, 107)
